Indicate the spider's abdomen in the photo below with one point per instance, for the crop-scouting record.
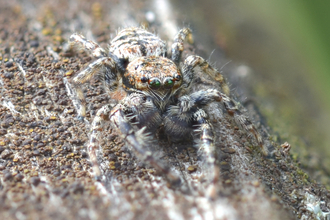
(136, 42)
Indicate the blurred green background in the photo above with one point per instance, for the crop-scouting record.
(287, 46)
(303, 27)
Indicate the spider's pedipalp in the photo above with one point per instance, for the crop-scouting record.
(193, 62)
(79, 42)
(177, 46)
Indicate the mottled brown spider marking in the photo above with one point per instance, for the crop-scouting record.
(135, 42)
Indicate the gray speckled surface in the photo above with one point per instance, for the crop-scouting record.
(44, 167)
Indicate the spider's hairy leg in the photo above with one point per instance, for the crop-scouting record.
(242, 120)
(177, 46)
(138, 140)
(188, 113)
(194, 61)
(204, 97)
(198, 99)
(182, 123)
(205, 135)
(178, 118)
(204, 139)
(79, 42)
(97, 125)
(105, 65)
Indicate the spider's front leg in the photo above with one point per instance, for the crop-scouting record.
(80, 43)
(206, 96)
(188, 117)
(106, 66)
(188, 71)
(135, 115)
(188, 112)
(205, 139)
(131, 118)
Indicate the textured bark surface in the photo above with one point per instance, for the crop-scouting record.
(45, 171)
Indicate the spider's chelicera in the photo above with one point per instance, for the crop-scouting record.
(151, 90)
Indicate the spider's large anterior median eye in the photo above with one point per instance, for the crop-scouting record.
(168, 83)
(154, 83)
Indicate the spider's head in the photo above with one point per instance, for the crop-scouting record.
(157, 76)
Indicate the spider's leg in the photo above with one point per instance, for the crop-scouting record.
(205, 141)
(203, 97)
(97, 125)
(180, 125)
(106, 65)
(198, 99)
(242, 120)
(177, 46)
(178, 118)
(188, 113)
(138, 140)
(79, 42)
(194, 61)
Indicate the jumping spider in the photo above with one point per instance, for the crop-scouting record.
(151, 90)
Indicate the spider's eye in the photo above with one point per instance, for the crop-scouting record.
(154, 83)
(144, 79)
(168, 83)
(177, 77)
